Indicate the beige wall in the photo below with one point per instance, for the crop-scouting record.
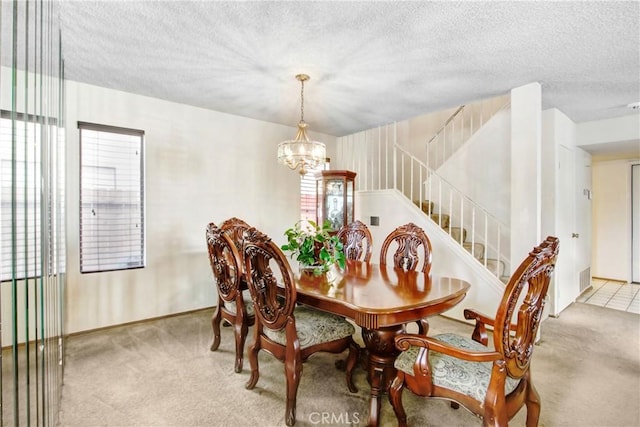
(611, 244)
(201, 166)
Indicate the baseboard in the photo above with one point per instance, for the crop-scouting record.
(609, 279)
(136, 322)
(88, 331)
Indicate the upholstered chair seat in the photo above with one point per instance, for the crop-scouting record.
(314, 327)
(469, 378)
(248, 304)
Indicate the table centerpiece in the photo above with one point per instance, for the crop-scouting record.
(314, 247)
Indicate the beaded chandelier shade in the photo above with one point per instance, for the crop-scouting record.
(301, 152)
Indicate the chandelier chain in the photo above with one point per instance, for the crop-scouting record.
(302, 101)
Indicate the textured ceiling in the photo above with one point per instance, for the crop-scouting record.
(370, 63)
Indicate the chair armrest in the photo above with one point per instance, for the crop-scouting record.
(472, 314)
(480, 330)
(404, 341)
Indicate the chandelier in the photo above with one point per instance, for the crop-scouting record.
(301, 152)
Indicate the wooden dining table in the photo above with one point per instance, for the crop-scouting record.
(381, 300)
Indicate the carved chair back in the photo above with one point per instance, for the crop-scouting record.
(413, 248)
(235, 228)
(518, 317)
(356, 241)
(266, 266)
(225, 262)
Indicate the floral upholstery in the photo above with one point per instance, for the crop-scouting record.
(314, 327)
(470, 378)
(248, 304)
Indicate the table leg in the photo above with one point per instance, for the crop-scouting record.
(382, 354)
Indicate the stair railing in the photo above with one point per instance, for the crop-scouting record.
(382, 164)
(424, 186)
(459, 127)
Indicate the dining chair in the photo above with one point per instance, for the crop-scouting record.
(493, 382)
(288, 331)
(412, 253)
(233, 306)
(235, 228)
(356, 241)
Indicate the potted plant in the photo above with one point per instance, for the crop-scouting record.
(314, 247)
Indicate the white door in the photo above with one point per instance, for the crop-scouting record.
(583, 219)
(566, 279)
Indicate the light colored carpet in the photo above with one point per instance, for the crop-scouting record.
(161, 373)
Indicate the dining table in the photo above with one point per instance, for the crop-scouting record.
(381, 300)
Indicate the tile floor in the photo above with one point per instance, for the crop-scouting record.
(611, 294)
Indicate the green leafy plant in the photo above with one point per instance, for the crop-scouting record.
(314, 246)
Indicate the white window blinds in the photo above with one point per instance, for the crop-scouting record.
(308, 196)
(19, 197)
(112, 235)
(308, 193)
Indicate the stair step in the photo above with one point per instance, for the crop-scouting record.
(455, 233)
(426, 207)
(478, 250)
(442, 220)
(492, 264)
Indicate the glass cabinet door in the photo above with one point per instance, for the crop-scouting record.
(334, 208)
(334, 197)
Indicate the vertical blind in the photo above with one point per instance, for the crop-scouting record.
(32, 213)
(112, 235)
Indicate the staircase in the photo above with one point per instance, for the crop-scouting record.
(459, 234)
(381, 164)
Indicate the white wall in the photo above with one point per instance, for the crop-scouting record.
(612, 220)
(526, 170)
(597, 132)
(413, 133)
(486, 186)
(201, 166)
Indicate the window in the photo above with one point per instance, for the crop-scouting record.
(112, 210)
(308, 193)
(20, 207)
